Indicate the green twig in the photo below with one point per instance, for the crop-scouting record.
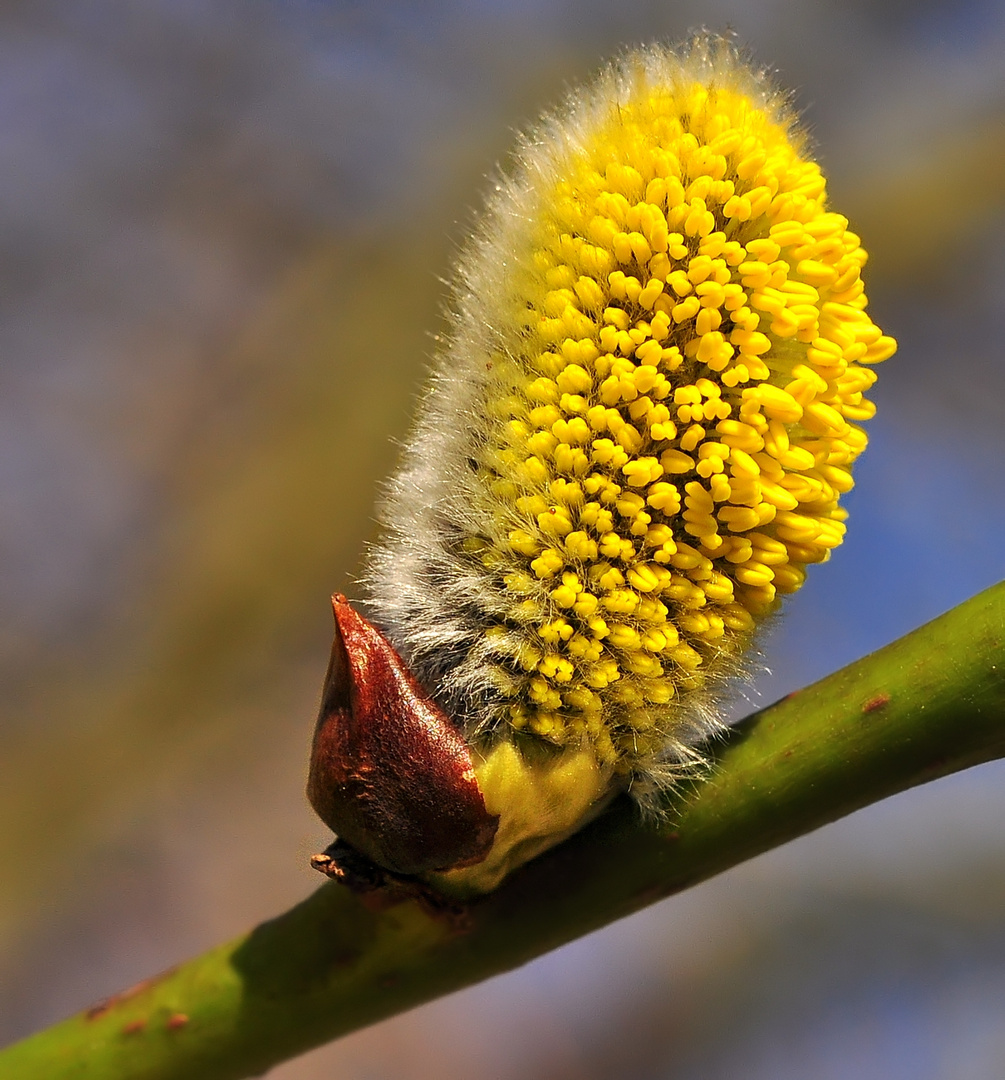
(928, 705)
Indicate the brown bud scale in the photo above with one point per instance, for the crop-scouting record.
(390, 773)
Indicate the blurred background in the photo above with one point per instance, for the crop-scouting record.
(223, 230)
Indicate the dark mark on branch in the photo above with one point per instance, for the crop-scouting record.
(876, 702)
(109, 1003)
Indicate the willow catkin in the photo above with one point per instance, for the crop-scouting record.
(635, 439)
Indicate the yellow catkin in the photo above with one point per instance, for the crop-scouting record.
(670, 420)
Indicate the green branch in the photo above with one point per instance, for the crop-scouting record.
(928, 705)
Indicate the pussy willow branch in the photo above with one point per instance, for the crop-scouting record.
(928, 705)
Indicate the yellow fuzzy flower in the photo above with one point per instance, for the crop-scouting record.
(640, 429)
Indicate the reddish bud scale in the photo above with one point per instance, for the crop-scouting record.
(390, 773)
